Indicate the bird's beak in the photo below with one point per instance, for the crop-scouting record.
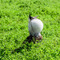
(35, 16)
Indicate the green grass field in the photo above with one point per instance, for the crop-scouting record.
(14, 29)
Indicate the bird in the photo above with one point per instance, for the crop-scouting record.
(35, 27)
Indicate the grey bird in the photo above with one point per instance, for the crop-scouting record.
(35, 27)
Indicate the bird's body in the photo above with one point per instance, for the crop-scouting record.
(35, 27)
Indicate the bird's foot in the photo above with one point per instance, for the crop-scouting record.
(39, 38)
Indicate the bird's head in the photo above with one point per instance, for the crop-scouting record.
(31, 18)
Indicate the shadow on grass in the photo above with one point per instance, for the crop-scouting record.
(25, 45)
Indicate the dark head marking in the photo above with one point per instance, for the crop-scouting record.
(30, 17)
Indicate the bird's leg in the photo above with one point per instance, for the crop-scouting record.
(34, 38)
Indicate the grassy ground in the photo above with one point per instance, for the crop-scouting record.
(14, 29)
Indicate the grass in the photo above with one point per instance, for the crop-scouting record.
(14, 29)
